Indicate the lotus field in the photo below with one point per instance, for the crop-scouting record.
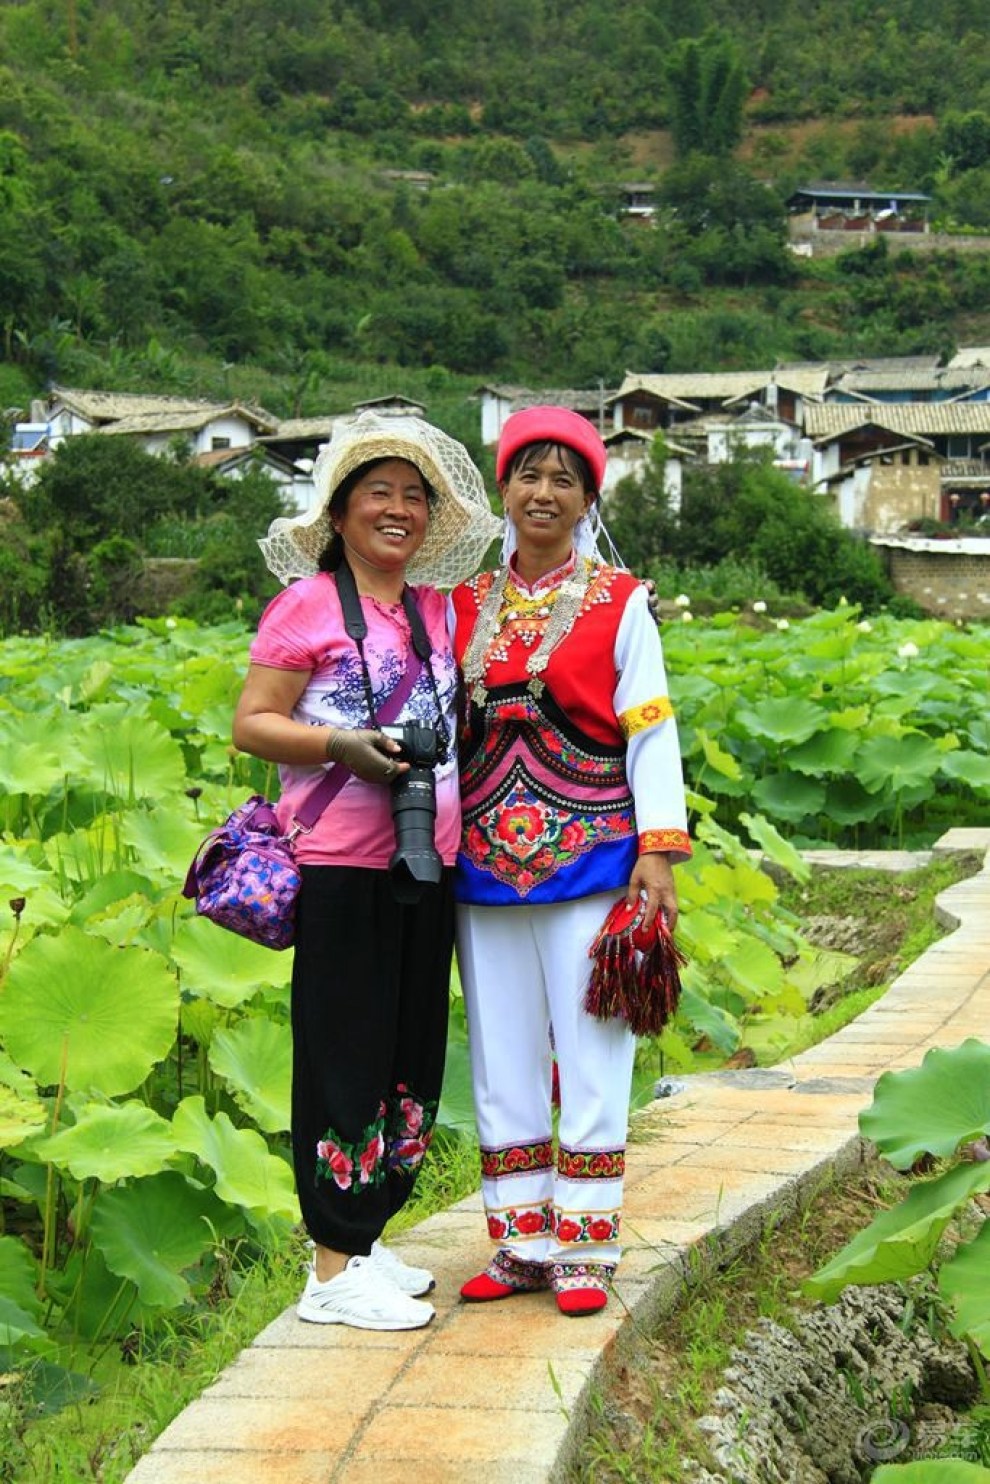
(144, 1053)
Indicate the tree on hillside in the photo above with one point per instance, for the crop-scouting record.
(707, 88)
(747, 509)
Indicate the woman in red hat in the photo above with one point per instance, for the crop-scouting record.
(573, 802)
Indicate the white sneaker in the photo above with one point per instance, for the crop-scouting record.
(363, 1297)
(407, 1279)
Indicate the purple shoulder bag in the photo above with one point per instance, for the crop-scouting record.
(244, 876)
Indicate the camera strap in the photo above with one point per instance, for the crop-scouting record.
(334, 778)
(419, 654)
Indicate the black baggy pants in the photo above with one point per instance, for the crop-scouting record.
(370, 993)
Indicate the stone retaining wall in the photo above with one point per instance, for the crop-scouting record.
(950, 579)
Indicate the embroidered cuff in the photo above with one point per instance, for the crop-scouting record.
(678, 840)
(650, 714)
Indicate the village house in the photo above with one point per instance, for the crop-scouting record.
(854, 206)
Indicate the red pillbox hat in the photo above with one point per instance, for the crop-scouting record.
(551, 425)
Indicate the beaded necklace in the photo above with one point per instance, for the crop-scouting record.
(489, 643)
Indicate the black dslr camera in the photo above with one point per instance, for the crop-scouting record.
(416, 860)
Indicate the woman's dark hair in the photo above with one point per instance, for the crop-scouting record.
(333, 553)
(574, 462)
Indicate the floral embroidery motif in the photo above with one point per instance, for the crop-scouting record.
(524, 839)
(664, 840)
(396, 1140)
(354, 1167)
(532, 1221)
(410, 1130)
(592, 1164)
(588, 1227)
(516, 1159)
(649, 714)
(565, 1276)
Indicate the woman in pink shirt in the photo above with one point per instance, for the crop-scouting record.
(395, 498)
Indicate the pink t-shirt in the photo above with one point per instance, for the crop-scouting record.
(303, 629)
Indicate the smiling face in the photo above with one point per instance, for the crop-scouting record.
(544, 496)
(383, 522)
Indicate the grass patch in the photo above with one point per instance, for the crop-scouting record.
(644, 1427)
(101, 1435)
(885, 919)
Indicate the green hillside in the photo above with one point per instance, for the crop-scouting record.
(303, 201)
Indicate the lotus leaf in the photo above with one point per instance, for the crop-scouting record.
(705, 936)
(965, 1282)
(897, 763)
(972, 768)
(787, 719)
(754, 970)
(788, 796)
(716, 757)
(730, 847)
(827, 752)
(110, 1012)
(97, 1303)
(36, 753)
(246, 1174)
(20, 1116)
(150, 1231)
(932, 1108)
(130, 755)
(705, 1018)
(18, 1274)
(163, 840)
(109, 1143)
(255, 1058)
(931, 1471)
(17, 1326)
(115, 886)
(223, 967)
(18, 874)
(850, 718)
(847, 802)
(902, 1241)
(775, 847)
(123, 924)
(13, 1076)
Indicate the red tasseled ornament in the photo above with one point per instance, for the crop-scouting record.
(636, 970)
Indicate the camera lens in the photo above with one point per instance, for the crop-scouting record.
(416, 860)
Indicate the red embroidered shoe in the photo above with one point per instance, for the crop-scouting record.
(581, 1287)
(505, 1276)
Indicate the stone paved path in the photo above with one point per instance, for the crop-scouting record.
(499, 1392)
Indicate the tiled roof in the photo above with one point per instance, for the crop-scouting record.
(304, 427)
(952, 379)
(103, 407)
(578, 400)
(725, 386)
(132, 412)
(920, 419)
(971, 355)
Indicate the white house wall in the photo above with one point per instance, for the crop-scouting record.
(237, 430)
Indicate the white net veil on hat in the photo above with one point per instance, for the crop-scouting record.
(461, 524)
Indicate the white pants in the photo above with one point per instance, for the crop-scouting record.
(525, 972)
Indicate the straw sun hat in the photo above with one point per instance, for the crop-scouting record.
(461, 525)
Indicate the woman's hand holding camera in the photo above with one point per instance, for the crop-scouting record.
(365, 753)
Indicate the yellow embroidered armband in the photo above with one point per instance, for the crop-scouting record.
(650, 714)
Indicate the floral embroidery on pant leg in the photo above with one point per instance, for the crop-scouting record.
(353, 1166)
(588, 1226)
(410, 1130)
(535, 1221)
(591, 1164)
(516, 1159)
